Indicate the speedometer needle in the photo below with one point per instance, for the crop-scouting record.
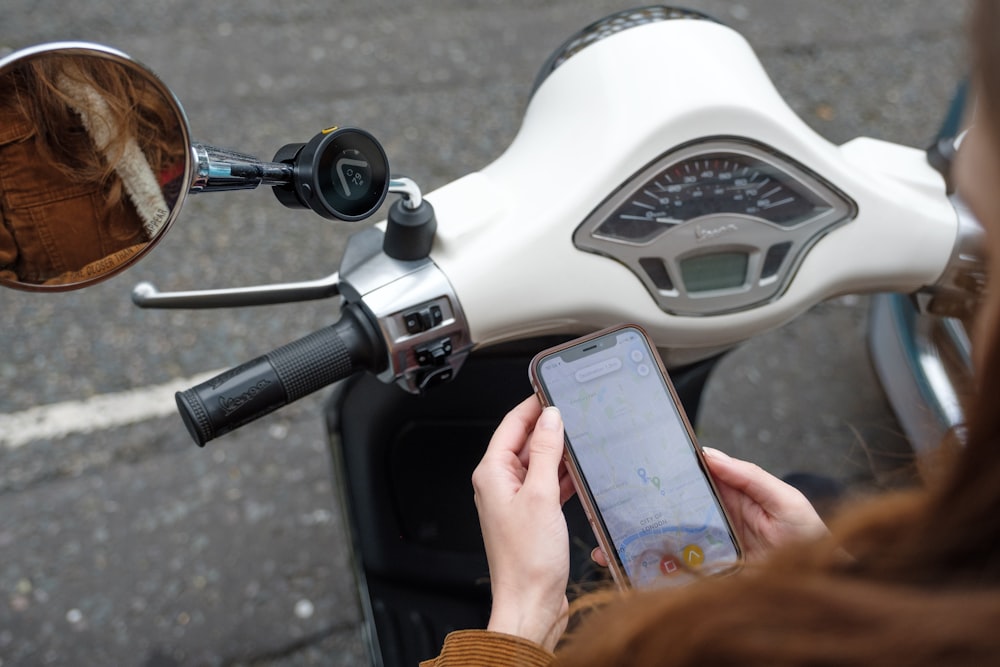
(651, 217)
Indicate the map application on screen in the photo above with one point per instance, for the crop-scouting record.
(639, 465)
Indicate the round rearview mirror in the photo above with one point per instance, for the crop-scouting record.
(95, 162)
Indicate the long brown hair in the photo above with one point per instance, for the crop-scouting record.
(912, 578)
(137, 110)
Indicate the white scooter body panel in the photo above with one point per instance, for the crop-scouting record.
(505, 234)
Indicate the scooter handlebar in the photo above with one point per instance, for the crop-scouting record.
(249, 391)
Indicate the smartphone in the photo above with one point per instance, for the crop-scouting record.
(632, 455)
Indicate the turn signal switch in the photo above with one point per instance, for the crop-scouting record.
(434, 357)
(434, 354)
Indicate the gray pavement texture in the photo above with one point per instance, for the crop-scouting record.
(130, 546)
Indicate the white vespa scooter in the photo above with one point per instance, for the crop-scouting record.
(701, 208)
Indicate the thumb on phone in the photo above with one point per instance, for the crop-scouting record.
(545, 449)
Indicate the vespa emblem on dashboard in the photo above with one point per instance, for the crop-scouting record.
(704, 232)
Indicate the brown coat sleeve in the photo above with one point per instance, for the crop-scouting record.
(8, 251)
(489, 649)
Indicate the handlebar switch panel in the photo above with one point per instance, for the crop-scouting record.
(418, 313)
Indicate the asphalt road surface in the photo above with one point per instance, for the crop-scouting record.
(123, 544)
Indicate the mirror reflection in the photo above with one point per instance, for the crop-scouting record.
(94, 164)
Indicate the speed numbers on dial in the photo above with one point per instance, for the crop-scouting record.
(712, 184)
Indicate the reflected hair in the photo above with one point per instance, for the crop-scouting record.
(137, 109)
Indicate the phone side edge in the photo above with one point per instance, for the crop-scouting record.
(582, 493)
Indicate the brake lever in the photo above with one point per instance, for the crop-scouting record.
(146, 295)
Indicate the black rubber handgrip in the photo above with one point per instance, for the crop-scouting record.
(256, 388)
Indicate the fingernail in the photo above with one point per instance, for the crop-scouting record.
(714, 453)
(550, 419)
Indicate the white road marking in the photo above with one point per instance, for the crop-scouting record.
(47, 422)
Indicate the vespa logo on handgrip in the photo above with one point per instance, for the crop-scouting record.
(231, 404)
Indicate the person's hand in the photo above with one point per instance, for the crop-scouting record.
(765, 511)
(520, 487)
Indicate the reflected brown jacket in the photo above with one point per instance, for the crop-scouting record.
(53, 229)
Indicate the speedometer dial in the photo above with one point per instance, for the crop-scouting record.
(716, 225)
(711, 184)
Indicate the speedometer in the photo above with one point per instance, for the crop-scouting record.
(716, 225)
(712, 184)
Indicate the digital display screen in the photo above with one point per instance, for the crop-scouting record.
(638, 462)
(721, 270)
(351, 175)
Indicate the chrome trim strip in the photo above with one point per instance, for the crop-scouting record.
(912, 372)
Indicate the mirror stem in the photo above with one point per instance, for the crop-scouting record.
(218, 169)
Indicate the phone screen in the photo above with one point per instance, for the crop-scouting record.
(636, 459)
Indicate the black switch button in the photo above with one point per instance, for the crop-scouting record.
(434, 354)
(423, 356)
(417, 321)
(425, 319)
(413, 322)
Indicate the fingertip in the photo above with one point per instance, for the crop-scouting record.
(713, 453)
(550, 419)
(547, 442)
